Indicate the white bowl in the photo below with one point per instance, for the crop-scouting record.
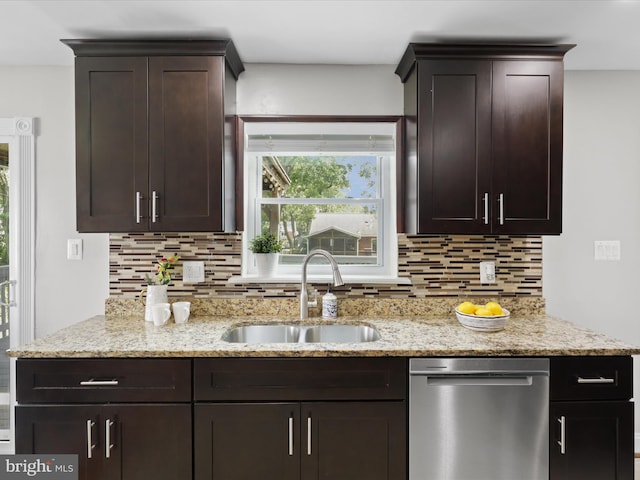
(493, 323)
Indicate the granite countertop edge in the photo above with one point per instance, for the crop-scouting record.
(132, 337)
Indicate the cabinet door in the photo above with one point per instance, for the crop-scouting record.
(150, 441)
(111, 144)
(454, 149)
(135, 442)
(186, 137)
(247, 441)
(354, 441)
(64, 430)
(527, 146)
(598, 441)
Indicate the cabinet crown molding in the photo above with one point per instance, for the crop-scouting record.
(140, 47)
(512, 51)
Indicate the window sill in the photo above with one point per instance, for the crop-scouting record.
(322, 279)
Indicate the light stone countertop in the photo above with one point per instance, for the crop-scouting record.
(526, 335)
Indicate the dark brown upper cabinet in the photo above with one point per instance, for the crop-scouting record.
(155, 135)
(483, 138)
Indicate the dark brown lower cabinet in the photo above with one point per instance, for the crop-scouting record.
(306, 441)
(113, 442)
(591, 440)
(591, 418)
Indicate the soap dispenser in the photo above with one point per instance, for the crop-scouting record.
(329, 304)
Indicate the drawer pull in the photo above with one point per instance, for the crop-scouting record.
(107, 438)
(98, 383)
(596, 380)
(90, 444)
(563, 437)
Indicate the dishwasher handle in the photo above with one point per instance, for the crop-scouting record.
(479, 380)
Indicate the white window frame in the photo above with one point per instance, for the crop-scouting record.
(386, 271)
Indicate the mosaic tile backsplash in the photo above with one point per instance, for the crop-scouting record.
(438, 266)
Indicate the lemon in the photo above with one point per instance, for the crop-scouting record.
(467, 307)
(494, 307)
(484, 312)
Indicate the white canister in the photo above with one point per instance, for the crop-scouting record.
(329, 305)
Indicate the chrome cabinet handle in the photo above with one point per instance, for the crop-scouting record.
(107, 438)
(12, 293)
(562, 441)
(138, 200)
(290, 436)
(485, 201)
(154, 207)
(308, 435)
(501, 202)
(99, 383)
(596, 380)
(90, 444)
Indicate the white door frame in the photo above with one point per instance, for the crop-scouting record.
(19, 133)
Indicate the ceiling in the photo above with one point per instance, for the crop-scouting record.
(326, 31)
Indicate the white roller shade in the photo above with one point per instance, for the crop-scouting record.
(295, 143)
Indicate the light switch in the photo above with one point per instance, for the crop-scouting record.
(74, 249)
(193, 272)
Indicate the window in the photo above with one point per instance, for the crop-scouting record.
(323, 186)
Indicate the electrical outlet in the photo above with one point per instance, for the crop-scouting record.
(606, 250)
(193, 272)
(487, 272)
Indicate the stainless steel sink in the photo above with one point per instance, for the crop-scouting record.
(301, 334)
(341, 334)
(263, 334)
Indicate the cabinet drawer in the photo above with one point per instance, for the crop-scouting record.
(591, 378)
(247, 379)
(103, 380)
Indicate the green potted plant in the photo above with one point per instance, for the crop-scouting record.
(266, 248)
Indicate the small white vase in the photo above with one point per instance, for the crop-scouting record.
(267, 264)
(154, 294)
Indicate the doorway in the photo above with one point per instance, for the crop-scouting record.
(17, 251)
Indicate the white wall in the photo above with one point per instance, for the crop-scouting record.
(66, 291)
(319, 90)
(601, 202)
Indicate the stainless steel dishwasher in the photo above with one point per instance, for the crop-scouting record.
(478, 419)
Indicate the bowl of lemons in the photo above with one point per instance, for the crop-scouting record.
(490, 317)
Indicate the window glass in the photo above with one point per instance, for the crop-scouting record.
(5, 403)
(329, 192)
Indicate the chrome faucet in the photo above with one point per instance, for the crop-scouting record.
(304, 297)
